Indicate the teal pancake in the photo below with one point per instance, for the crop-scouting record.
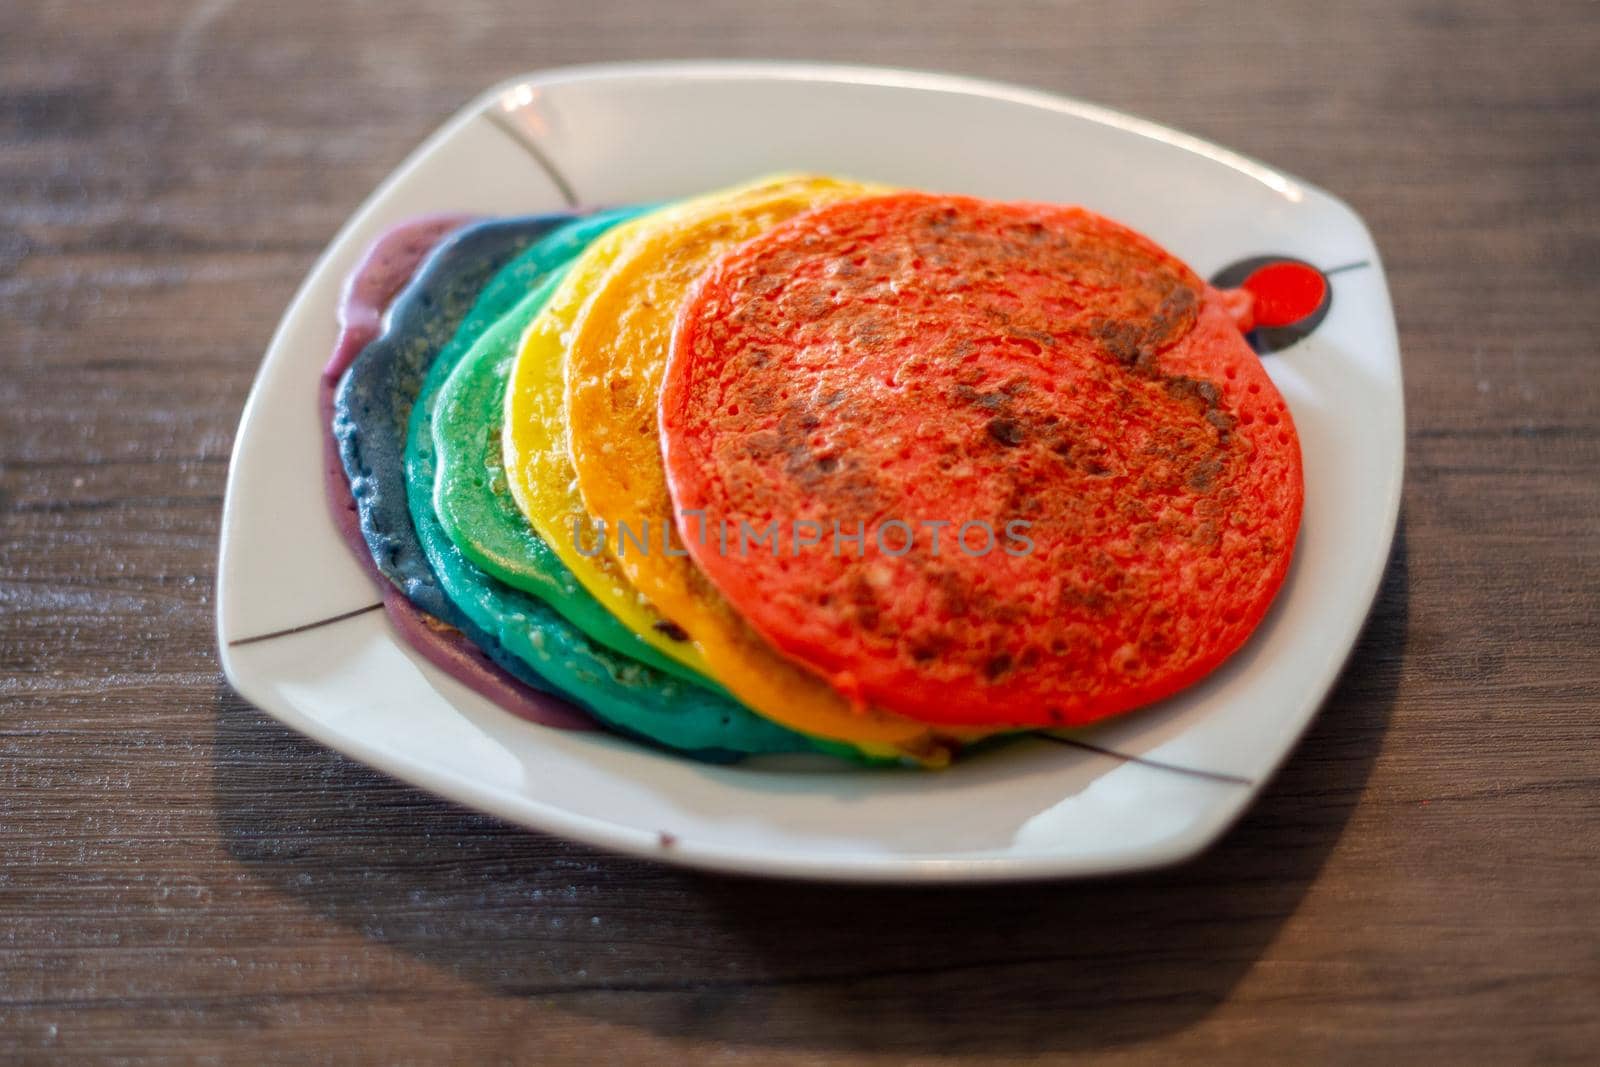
(476, 509)
(626, 694)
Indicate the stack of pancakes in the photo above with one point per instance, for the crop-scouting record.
(809, 465)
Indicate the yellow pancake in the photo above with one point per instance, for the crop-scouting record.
(537, 467)
(616, 356)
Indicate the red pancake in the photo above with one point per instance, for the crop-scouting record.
(1118, 480)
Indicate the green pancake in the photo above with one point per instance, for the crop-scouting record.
(623, 692)
(476, 509)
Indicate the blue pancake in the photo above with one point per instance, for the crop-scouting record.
(627, 695)
(374, 401)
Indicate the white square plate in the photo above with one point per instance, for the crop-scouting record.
(1148, 789)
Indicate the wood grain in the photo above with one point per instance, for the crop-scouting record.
(180, 878)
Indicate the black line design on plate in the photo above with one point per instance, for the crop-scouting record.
(667, 840)
(1357, 265)
(526, 140)
(1193, 772)
(303, 627)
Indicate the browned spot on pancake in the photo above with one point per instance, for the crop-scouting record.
(436, 624)
(952, 592)
(866, 612)
(671, 630)
(928, 646)
(1006, 431)
(1093, 599)
(1204, 474)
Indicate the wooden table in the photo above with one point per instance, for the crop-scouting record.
(180, 876)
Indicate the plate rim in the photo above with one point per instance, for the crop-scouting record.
(894, 77)
(550, 818)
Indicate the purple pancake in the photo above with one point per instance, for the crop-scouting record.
(448, 649)
(381, 273)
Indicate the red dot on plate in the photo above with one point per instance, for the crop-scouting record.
(1285, 292)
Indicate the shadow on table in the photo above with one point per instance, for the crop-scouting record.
(750, 962)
